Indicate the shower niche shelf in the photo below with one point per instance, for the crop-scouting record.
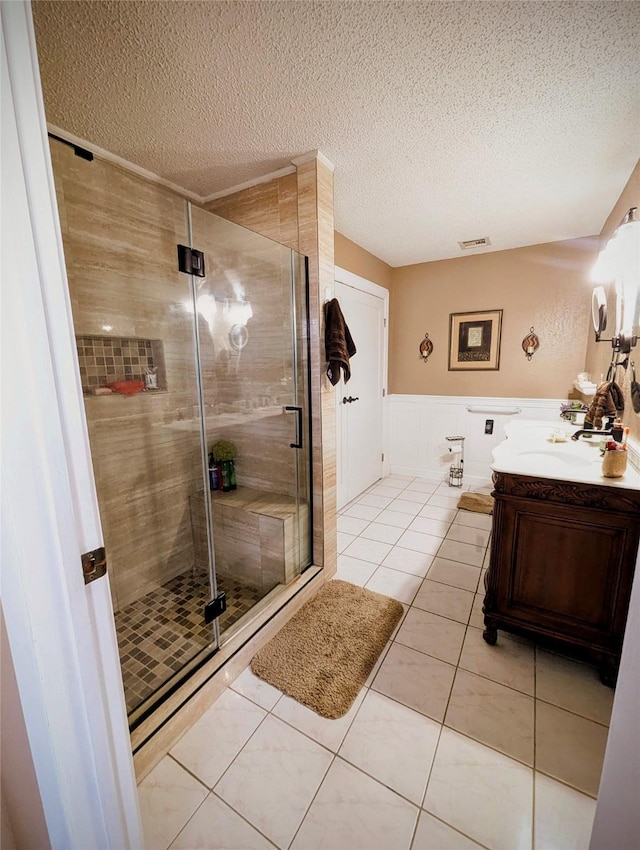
(104, 360)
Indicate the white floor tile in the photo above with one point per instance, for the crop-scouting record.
(404, 506)
(467, 534)
(382, 533)
(563, 818)
(465, 770)
(329, 733)
(374, 501)
(451, 602)
(393, 583)
(510, 662)
(408, 561)
(428, 525)
(355, 570)
(416, 680)
(168, 797)
(433, 834)
(464, 553)
(422, 486)
(434, 635)
(217, 827)
(572, 685)
(456, 574)
(426, 543)
(392, 743)
(416, 496)
(450, 502)
(492, 714)
(354, 812)
(368, 550)
(250, 686)
(361, 511)
(474, 520)
(344, 540)
(477, 617)
(273, 780)
(351, 524)
(211, 744)
(395, 518)
(434, 512)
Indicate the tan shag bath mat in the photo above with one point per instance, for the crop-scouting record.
(323, 655)
(481, 503)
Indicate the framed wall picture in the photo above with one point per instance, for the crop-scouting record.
(474, 340)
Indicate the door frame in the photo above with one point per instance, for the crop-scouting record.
(363, 285)
(61, 632)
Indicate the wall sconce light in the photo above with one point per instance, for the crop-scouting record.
(530, 344)
(619, 263)
(426, 348)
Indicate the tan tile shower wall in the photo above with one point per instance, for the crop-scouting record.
(120, 234)
(306, 226)
(270, 209)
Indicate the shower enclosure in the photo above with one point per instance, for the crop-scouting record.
(172, 362)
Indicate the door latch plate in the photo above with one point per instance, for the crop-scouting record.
(94, 564)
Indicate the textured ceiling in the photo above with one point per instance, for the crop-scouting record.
(445, 121)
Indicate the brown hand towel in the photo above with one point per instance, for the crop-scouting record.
(338, 344)
(602, 405)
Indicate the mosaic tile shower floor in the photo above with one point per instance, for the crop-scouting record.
(159, 633)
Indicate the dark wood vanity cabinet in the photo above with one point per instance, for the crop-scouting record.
(562, 561)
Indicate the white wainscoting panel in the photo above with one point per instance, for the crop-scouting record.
(418, 426)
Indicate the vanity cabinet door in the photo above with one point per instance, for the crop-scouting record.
(565, 574)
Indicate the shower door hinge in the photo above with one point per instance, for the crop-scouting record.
(94, 564)
(213, 609)
(383, 457)
(190, 261)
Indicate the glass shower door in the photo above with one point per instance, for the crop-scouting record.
(252, 326)
(133, 319)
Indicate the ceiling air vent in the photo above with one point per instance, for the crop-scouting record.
(475, 243)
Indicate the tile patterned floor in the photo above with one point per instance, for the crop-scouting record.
(451, 744)
(160, 632)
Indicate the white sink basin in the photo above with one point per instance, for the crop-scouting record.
(546, 449)
(566, 458)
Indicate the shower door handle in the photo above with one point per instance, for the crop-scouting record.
(298, 410)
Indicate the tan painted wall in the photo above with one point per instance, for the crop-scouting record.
(599, 354)
(544, 286)
(355, 259)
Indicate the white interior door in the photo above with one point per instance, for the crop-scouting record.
(359, 402)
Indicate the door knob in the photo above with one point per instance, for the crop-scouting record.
(346, 400)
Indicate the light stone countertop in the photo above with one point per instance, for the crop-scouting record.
(530, 450)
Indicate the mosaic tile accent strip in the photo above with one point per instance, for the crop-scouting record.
(162, 631)
(104, 360)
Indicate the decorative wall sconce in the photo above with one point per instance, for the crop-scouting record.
(619, 263)
(530, 344)
(426, 348)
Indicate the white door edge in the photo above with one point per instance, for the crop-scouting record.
(357, 282)
(61, 633)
